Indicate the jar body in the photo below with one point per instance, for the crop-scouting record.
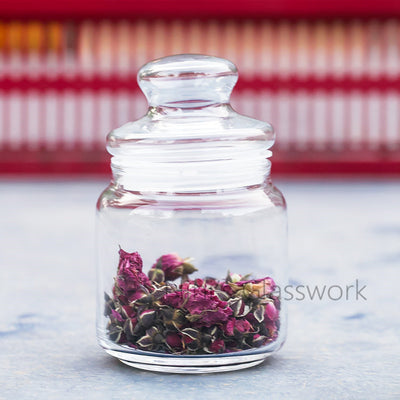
(237, 242)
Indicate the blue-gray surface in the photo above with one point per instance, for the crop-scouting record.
(344, 349)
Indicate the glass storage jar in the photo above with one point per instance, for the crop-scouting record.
(191, 233)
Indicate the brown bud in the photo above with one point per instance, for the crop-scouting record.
(145, 342)
(188, 268)
(156, 275)
(146, 318)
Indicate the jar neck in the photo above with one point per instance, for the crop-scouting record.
(195, 177)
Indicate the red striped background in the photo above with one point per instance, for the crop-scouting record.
(331, 88)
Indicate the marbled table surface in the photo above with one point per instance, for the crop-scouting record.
(340, 232)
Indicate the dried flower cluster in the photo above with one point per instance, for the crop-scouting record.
(196, 317)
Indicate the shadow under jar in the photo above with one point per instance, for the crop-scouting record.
(191, 233)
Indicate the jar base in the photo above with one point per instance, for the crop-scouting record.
(189, 364)
(192, 370)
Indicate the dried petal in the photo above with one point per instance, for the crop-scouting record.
(212, 317)
(174, 299)
(259, 313)
(116, 316)
(271, 312)
(277, 301)
(229, 327)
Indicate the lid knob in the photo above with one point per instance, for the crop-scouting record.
(187, 81)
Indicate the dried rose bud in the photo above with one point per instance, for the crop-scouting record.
(239, 307)
(130, 277)
(109, 305)
(217, 346)
(188, 285)
(151, 339)
(271, 329)
(210, 281)
(205, 308)
(174, 340)
(155, 334)
(146, 318)
(226, 287)
(255, 287)
(145, 342)
(137, 294)
(173, 319)
(199, 282)
(245, 290)
(234, 326)
(223, 296)
(129, 326)
(232, 277)
(116, 333)
(178, 319)
(191, 338)
(196, 317)
(156, 275)
(174, 266)
(258, 340)
(129, 261)
(188, 267)
(262, 287)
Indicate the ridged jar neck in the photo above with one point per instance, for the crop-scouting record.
(194, 178)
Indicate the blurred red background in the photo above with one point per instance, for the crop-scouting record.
(325, 74)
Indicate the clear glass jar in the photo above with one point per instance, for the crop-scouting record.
(191, 232)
